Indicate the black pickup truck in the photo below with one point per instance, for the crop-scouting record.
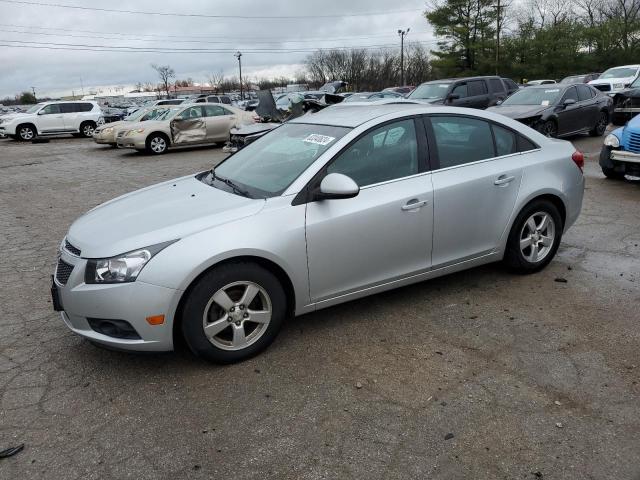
(471, 92)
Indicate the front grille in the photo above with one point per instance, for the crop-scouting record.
(603, 88)
(633, 144)
(121, 133)
(71, 249)
(63, 272)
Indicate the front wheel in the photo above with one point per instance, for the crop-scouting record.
(157, 144)
(534, 238)
(549, 129)
(233, 312)
(26, 133)
(601, 125)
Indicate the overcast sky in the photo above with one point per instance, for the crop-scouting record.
(58, 72)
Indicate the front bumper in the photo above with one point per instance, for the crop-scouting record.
(131, 142)
(132, 302)
(624, 156)
(103, 138)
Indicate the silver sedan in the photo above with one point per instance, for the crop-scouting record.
(330, 207)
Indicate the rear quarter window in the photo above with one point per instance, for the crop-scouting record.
(496, 85)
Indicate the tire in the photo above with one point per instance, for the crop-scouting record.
(601, 125)
(549, 128)
(26, 133)
(523, 260)
(215, 302)
(618, 120)
(87, 128)
(611, 174)
(157, 144)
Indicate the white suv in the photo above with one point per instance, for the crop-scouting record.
(52, 118)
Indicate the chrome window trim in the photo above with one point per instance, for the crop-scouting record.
(486, 160)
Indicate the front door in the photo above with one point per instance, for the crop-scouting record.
(189, 127)
(570, 116)
(50, 119)
(382, 234)
(475, 187)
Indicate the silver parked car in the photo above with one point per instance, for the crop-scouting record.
(329, 207)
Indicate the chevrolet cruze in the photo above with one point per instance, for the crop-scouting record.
(329, 207)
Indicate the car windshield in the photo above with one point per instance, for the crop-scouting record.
(534, 96)
(35, 108)
(636, 83)
(574, 79)
(619, 72)
(266, 167)
(135, 115)
(430, 90)
(165, 113)
(358, 97)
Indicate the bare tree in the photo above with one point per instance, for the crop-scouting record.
(166, 73)
(216, 79)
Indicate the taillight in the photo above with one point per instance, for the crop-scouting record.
(578, 159)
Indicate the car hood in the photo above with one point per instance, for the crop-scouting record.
(147, 125)
(607, 81)
(156, 214)
(11, 116)
(119, 123)
(519, 111)
(629, 93)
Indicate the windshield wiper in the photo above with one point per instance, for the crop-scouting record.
(230, 183)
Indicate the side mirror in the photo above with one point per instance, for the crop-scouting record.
(568, 101)
(499, 102)
(336, 186)
(41, 112)
(453, 96)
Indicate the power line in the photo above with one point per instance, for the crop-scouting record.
(233, 42)
(204, 15)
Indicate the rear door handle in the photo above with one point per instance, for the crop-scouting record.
(503, 180)
(414, 204)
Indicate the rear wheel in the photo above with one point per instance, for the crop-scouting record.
(233, 312)
(534, 237)
(157, 143)
(26, 133)
(87, 128)
(601, 125)
(549, 128)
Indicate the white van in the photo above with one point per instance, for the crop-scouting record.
(52, 118)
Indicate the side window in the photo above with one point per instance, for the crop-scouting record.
(506, 143)
(571, 93)
(213, 100)
(226, 100)
(191, 112)
(460, 90)
(67, 108)
(584, 93)
(386, 153)
(496, 85)
(461, 140)
(51, 109)
(476, 87)
(214, 111)
(524, 144)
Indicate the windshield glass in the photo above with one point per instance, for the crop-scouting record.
(430, 90)
(619, 72)
(135, 115)
(574, 79)
(636, 83)
(534, 96)
(35, 108)
(266, 167)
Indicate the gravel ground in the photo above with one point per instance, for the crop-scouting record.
(477, 375)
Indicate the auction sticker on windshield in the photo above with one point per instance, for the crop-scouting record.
(319, 139)
(556, 90)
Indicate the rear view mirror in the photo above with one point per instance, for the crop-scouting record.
(336, 186)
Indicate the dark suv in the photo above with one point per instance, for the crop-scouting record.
(471, 92)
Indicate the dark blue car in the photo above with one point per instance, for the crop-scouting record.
(620, 154)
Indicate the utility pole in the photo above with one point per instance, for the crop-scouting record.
(238, 55)
(33, 89)
(82, 85)
(402, 34)
(497, 7)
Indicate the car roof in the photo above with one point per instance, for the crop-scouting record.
(354, 114)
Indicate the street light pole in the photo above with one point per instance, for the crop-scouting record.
(402, 34)
(238, 55)
(33, 89)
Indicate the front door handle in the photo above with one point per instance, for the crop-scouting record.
(503, 180)
(414, 204)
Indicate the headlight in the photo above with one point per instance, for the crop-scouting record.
(612, 141)
(122, 268)
(618, 85)
(107, 130)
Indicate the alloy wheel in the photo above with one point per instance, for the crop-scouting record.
(601, 126)
(537, 236)
(158, 144)
(237, 315)
(87, 130)
(549, 129)
(26, 133)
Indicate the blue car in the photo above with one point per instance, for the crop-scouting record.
(620, 154)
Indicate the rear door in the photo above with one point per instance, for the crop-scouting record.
(478, 94)
(188, 127)
(475, 181)
(498, 91)
(589, 105)
(219, 121)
